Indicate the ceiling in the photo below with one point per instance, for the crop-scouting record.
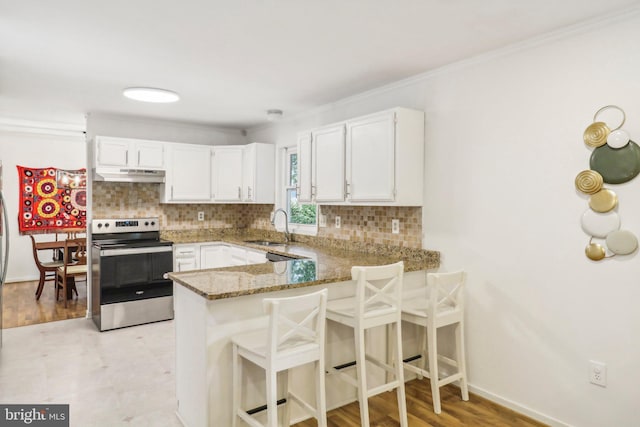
(232, 60)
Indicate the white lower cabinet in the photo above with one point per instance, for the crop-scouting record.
(201, 256)
(213, 255)
(256, 257)
(185, 257)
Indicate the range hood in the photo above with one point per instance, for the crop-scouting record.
(128, 175)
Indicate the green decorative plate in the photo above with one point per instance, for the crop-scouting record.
(616, 165)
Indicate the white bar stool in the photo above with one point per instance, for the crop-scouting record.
(295, 336)
(376, 303)
(440, 304)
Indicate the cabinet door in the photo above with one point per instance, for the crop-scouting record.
(185, 257)
(185, 264)
(371, 158)
(256, 257)
(249, 154)
(112, 152)
(227, 174)
(238, 256)
(328, 162)
(149, 155)
(304, 167)
(190, 177)
(213, 256)
(258, 173)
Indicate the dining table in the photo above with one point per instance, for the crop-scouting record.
(57, 246)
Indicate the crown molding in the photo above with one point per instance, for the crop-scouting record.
(533, 42)
(9, 124)
(97, 115)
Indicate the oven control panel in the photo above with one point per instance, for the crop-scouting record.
(124, 225)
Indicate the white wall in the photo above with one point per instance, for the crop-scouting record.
(503, 146)
(38, 151)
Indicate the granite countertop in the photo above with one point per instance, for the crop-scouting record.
(318, 264)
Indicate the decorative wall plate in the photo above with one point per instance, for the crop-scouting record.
(595, 135)
(589, 182)
(615, 159)
(594, 251)
(600, 224)
(603, 201)
(616, 165)
(618, 139)
(622, 242)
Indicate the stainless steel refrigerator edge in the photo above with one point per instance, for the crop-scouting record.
(4, 246)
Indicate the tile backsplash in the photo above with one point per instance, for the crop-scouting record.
(124, 199)
(367, 224)
(372, 224)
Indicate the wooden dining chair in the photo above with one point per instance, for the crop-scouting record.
(45, 268)
(74, 265)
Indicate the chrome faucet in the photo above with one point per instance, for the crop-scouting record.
(287, 236)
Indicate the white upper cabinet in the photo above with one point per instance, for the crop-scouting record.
(244, 173)
(328, 180)
(227, 173)
(219, 174)
(375, 160)
(188, 174)
(258, 173)
(371, 158)
(130, 153)
(149, 155)
(305, 166)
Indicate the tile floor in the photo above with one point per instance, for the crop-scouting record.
(124, 377)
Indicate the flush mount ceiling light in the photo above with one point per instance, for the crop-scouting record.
(273, 115)
(150, 94)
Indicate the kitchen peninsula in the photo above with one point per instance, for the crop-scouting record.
(213, 305)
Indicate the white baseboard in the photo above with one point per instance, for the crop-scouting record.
(524, 410)
(23, 279)
(180, 419)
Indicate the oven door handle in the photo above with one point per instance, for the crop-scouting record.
(135, 251)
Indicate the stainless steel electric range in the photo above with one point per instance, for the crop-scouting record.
(129, 284)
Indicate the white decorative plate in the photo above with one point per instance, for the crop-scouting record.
(600, 224)
(622, 242)
(618, 139)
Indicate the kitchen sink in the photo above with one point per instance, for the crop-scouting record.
(264, 243)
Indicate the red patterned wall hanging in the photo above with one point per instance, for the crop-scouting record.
(49, 206)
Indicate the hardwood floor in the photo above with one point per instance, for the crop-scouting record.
(20, 308)
(383, 411)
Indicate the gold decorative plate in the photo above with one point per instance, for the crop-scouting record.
(595, 135)
(589, 181)
(594, 251)
(603, 201)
